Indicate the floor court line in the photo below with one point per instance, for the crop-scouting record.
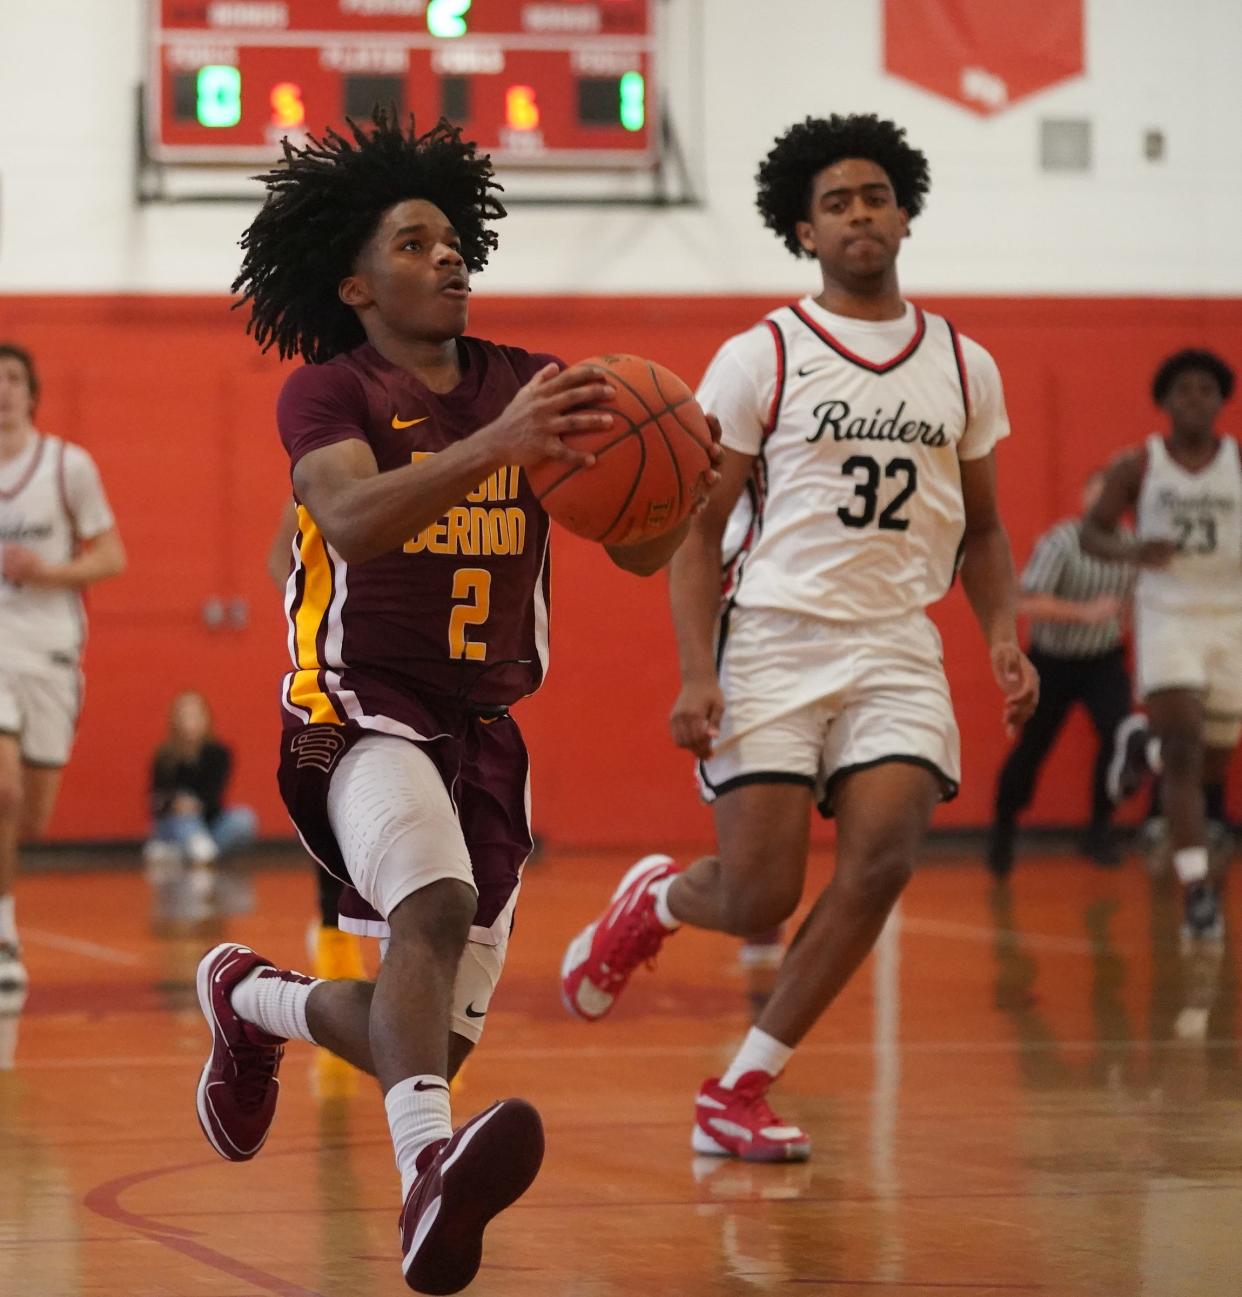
(922, 1048)
(79, 946)
(987, 936)
(104, 1201)
(909, 1198)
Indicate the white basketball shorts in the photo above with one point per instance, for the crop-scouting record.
(40, 709)
(811, 701)
(1191, 650)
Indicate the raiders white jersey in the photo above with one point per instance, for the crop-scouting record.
(854, 509)
(51, 499)
(1202, 513)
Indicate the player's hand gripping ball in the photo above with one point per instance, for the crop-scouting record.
(651, 467)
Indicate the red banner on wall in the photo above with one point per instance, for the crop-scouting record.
(983, 54)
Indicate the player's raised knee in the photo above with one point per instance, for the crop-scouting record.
(759, 906)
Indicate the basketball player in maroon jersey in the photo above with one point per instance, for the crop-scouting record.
(418, 613)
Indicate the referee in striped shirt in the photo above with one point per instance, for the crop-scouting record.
(1074, 603)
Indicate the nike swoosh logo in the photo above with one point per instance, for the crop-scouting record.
(422, 1085)
(472, 1012)
(408, 423)
(803, 371)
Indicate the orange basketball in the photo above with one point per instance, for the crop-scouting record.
(648, 465)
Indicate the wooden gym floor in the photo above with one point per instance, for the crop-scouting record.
(1029, 1090)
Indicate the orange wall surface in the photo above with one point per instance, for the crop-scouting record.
(176, 404)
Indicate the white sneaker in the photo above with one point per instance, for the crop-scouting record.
(201, 849)
(1134, 758)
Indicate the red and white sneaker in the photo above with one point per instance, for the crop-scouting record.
(599, 960)
(463, 1181)
(237, 1090)
(738, 1123)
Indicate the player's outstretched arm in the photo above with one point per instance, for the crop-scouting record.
(364, 513)
(1118, 496)
(694, 596)
(991, 586)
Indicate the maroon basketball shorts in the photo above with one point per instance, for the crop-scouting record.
(389, 815)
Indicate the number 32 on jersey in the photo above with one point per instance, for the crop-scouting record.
(864, 503)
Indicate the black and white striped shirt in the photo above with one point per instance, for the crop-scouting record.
(1058, 567)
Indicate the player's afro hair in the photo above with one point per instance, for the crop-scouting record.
(325, 201)
(799, 155)
(1180, 362)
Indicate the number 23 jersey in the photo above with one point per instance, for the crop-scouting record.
(853, 510)
(1202, 514)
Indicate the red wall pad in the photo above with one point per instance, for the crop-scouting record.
(176, 404)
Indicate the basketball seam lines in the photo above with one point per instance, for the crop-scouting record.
(635, 429)
(668, 445)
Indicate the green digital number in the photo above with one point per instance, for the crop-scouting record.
(219, 95)
(633, 109)
(447, 18)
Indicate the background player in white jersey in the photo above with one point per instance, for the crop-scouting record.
(1185, 491)
(57, 536)
(859, 435)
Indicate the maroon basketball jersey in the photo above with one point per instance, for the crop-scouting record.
(459, 614)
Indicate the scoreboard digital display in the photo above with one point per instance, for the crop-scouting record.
(543, 83)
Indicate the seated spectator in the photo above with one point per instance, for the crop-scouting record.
(189, 773)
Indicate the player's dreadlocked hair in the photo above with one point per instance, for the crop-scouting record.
(1180, 362)
(323, 204)
(785, 175)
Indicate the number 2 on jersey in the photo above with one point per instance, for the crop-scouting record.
(473, 584)
(866, 495)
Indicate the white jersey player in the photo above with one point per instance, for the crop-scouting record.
(1185, 491)
(858, 476)
(57, 536)
(865, 424)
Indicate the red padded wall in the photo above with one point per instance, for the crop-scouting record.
(176, 404)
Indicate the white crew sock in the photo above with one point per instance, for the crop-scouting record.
(1191, 864)
(8, 920)
(759, 1053)
(659, 893)
(418, 1112)
(275, 1000)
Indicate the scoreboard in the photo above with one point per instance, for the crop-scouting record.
(540, 83)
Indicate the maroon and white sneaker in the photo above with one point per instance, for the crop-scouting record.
(237, 1090)
(463, 1181)
(738, 1122)
(599, 960)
